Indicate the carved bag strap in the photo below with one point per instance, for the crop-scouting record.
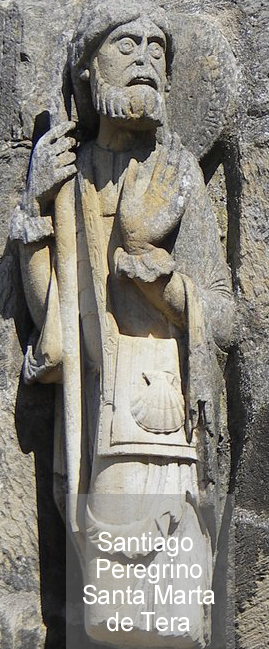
(99, 265)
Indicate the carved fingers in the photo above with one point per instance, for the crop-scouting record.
(165, 177)
(166, 191)
(148, 217)
(57, 132)
(65, 173)
(131, 177)
(53, 162)
(63, 144)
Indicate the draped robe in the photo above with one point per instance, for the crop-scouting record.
(125, 338)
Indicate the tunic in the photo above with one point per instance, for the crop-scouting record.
(144, 384)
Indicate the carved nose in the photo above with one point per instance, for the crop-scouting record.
(140, 58)
(141, 53)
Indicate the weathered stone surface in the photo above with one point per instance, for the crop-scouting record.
(205, 78)
(24, 65)
(20, 622)
(34, 56)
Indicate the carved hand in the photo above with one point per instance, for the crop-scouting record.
(51, 165)
(148, 218)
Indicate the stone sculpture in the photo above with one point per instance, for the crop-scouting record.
(130, 296)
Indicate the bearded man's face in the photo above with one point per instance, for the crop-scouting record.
(128, 74)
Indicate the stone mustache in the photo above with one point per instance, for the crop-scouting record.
(130, 297)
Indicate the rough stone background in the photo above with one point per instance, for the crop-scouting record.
(33, 39)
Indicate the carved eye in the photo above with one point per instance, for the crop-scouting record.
(126, 45)
(156, 50)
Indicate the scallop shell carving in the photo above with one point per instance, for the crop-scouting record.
(157, 405)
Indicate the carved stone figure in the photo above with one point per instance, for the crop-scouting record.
(130, 296)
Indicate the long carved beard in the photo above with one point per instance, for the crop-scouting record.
(137, 103)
